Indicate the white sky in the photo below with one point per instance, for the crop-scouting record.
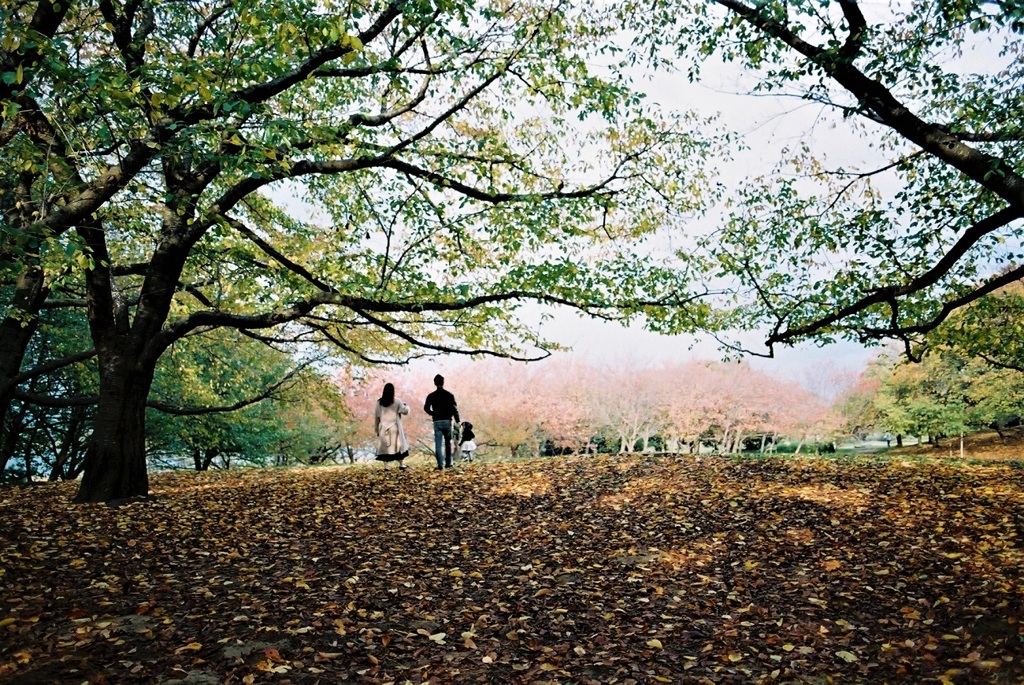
(611, 343)
(768, 124)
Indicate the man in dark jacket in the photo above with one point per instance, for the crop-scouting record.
(441, 406)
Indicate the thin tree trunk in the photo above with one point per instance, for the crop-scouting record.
(207, 460)
(12, 429)
(67, 445)
(16, 331)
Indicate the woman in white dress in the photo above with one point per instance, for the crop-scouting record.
(392, 444)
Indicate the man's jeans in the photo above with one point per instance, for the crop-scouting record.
(443, 430)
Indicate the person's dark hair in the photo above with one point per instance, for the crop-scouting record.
(388, 396)
(439, 380)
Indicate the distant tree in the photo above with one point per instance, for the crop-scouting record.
(856, 405)
(626, 406)
(929, 398)
(504, 402)
(567, 391)
(222, 398)
(683, 401)
(996, 397)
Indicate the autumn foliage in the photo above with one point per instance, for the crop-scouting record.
(587, 569)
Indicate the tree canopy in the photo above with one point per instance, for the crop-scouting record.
(382, 177)
(910, 206)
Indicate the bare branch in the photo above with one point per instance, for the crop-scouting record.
(48, 367)
(278, 256)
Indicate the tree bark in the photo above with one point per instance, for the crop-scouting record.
(115, 464)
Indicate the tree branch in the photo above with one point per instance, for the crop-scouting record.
(990, 172)
(43, 369)
(278, 256)
(175, 410)
(890, 294)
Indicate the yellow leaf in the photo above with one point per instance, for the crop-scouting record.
(190, 647)
(353, 42)
(734, 657)
(848, 657)
(832, 564)
(7, 622)
(654, 644)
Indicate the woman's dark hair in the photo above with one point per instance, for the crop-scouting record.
(388, 396)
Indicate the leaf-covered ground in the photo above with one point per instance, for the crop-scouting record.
(566, 570)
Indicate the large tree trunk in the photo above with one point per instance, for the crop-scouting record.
(115, 465)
